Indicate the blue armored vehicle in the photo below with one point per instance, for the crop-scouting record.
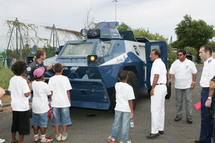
(92, 64)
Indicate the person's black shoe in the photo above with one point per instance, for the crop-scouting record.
(153, 136)
(198, 141)
(161, 132)
(189, 120)
(177, 118)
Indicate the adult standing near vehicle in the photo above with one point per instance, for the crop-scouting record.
(208, 72)
(40, 57)
(185, 73)
(208, 102)
(158, 92)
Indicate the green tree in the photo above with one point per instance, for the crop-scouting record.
(191, 51)
(140, 32)
(193, 33)
(123, 27)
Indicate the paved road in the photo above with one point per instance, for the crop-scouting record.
(93, 126)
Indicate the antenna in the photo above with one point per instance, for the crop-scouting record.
(115, 1)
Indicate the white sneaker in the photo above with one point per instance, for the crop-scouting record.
(124, 142)
(64, 136)
(2, 140)
(58, 137)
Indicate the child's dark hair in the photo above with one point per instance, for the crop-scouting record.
(122, 75)
(58, 67)
(39, 78)
(19, 67)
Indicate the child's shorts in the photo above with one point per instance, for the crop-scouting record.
(20, 122)
(61, 115)
(40, 120)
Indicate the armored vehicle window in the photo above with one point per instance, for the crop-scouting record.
(103, 49)
(155, 47)
(76, 50)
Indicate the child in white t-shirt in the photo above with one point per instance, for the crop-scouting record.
(40, 105)
(123, 109)
(19, 91)
(60, 86)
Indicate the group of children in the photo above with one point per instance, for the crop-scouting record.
(58, 90)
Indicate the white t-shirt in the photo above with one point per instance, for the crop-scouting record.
(183, 73)
(124, 92)
(208, 72)
(59, 84)
(40, 98)
(158, 67)
(18, 87)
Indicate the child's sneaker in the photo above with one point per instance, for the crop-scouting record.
(16, 141)
(124, 142)
(58, 137)
(64, 136)
(112, 140)
(46, 140)
(36, 138)
(2, 140)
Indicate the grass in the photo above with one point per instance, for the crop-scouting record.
(5, 76)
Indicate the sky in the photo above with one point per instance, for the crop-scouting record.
(157, 16)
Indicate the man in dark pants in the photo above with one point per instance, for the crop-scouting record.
(208, 72)
(208, 102)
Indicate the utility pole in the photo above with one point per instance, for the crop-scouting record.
(54, 37)
(115, 1)
(19, 40)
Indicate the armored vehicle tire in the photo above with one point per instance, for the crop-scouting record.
(113, 100)
(132, 80)
(168, 91)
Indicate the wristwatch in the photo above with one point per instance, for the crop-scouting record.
(209, 98)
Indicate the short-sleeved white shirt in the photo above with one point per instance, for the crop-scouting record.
(40, 98)
(18, 87)
(183, 72)
(208, 72)
(158, 67)
(124, 92)
(59, 84)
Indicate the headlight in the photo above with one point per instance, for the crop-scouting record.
(84, 32)
(92, 59)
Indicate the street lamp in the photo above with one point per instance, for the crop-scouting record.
(115, 1)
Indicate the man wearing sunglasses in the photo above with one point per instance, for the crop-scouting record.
(185, 73)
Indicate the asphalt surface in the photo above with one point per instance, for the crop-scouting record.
(93, 126)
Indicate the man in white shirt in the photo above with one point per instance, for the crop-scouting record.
(185, 73)
(158, 92)
(208, 72)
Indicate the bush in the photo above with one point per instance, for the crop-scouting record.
(5, 76)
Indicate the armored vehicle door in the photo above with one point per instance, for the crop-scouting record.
(160, 45)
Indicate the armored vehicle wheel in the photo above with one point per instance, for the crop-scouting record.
(132, 80)
(113, 100)
(168, 91)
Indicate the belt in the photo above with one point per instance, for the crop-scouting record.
(160, 84)
(205, 88)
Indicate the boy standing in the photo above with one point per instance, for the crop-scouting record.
(19, 91)
(123, 109)
(60, 86)
(40, 106)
